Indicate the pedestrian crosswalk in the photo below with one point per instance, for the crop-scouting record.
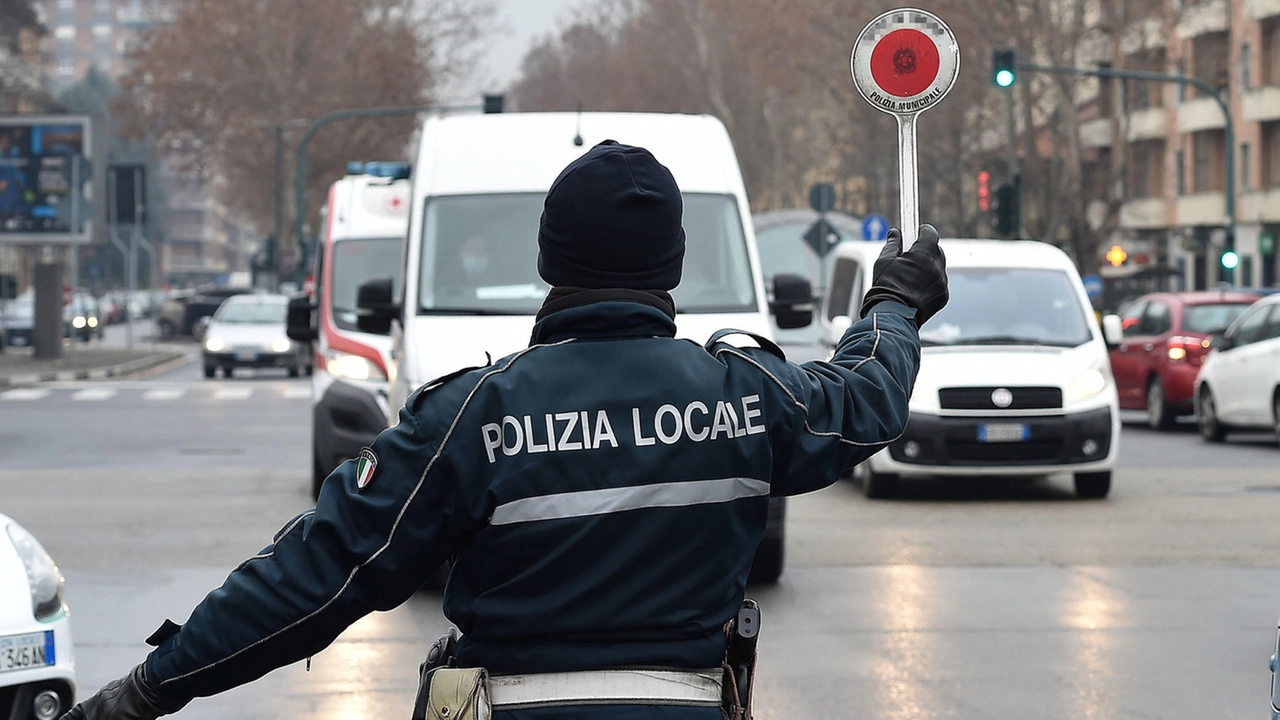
(157, 392)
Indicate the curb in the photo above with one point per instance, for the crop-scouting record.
(99, 373)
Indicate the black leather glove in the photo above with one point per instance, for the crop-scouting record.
(916, 278)
(129, 698)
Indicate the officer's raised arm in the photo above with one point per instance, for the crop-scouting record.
(846, 409)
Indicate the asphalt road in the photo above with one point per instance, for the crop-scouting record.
(961, 600)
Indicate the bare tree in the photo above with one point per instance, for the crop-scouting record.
(225, 73)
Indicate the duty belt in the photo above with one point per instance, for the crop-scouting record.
(692, 688)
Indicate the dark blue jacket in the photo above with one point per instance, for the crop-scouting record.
(600, 495)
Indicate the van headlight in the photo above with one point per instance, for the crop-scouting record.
(214, 344)
(281, 345)
(1086, 384)
(43, 577)
(354, 367)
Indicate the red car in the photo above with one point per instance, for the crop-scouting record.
(1164, 346)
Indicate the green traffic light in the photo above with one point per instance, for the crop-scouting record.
(1230, 260)
(1004, 78)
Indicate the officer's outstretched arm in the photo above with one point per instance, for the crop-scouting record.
(845, 410)
(353, 554)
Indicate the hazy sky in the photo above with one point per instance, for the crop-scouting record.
(522, 21)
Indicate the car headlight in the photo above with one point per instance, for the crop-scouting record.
(281, 345)
(214, 344)
(43, 577)
(1086, 384)
(78, 322)
(93, 322)
(354, 367)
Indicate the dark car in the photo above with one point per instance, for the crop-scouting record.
(179, 314)
(1156, 364)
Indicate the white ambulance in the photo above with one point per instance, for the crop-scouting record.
(364, 221)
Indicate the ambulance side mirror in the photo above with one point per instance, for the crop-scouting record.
(298, 325)
(376, 305)
(792, 304)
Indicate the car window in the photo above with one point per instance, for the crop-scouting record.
(1157, 320)
(1273, 325)
(844, 276)
(1213, 318)
(1131, 317)
(1248, 329)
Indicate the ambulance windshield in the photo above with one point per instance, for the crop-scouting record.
(480, 256)
(354, 262)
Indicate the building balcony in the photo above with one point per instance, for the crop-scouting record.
(1197, 20)
(1148, 124)
(1261, 9)
(1200, 114)
(1261, 205)
(1202, 209)
(1149, 34)
(1096, 133)
(1144, 214)
(1262, 104)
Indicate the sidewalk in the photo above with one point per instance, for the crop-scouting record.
(19, 367)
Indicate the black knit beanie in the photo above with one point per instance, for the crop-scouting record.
(612, 220)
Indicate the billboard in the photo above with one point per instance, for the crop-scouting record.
(44, 170)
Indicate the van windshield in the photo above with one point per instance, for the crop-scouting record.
(354, 262)
(1009, 306)
(480, 256)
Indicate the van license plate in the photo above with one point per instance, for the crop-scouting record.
(1007, 432)
(20, 652)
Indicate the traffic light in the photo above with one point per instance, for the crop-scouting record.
(1004, 69)
(984, 191)
(1004, 209)
(1229, 260)
(1117, 256)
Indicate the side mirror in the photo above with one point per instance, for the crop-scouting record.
(376, 306)
(792, 304)
(298, 326)
(1220, 342)
(1112, 330)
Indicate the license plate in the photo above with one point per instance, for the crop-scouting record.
(246, 356)
(1007, 432)
(21, 652)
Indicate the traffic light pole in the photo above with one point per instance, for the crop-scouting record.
(300, 177)
(1202, 86)
(1015, 178)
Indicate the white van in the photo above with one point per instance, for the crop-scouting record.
(365, 220)
(471, 286)
(1014, 373)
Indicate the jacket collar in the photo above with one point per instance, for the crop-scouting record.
(602, 319)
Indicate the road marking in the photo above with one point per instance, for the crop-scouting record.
(94, 394)
(25, 394)
(297, 393)
(232, 393)
(164, 394)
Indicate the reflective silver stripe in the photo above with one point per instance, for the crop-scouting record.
(607, 687)
(614, 500)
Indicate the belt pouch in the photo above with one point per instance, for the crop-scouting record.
(458, 694)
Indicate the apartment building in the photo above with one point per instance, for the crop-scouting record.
(1170, 142)
(201, 241)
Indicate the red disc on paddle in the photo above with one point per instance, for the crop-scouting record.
(905, 62)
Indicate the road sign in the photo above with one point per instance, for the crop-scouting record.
(904, 62)
(875, 228)
(822, 197)
(1267, 244)
(1092, 286)
(821, 236)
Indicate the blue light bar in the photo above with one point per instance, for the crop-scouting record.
(392, 170)
(355, 167)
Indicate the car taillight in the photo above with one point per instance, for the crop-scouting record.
(1185, 348)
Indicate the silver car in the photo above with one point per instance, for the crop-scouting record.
(249, 331)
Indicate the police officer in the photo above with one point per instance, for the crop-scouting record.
(599, 494)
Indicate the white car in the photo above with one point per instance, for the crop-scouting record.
(249, 331)
(37, 667)
(1239, 386)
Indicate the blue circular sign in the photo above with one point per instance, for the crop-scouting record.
(875, 227)
(1092, 285)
